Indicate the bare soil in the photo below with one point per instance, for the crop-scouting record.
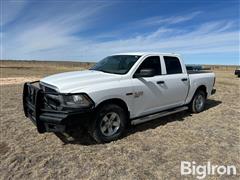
(153, 150)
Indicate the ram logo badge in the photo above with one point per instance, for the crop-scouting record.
(138, 94)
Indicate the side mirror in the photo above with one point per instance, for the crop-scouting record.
(145, 73)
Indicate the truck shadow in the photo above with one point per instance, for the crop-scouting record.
(181, 116)
(81, 136)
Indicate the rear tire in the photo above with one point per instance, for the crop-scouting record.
(109, 123)
(197, 104)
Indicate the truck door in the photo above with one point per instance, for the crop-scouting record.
(148, 98)
(176, 81)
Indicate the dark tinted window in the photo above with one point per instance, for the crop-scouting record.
(152, 62)
(173, 65)
(118, 64)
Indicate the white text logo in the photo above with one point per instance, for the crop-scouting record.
(201, 171)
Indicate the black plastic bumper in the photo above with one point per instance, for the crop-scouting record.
(48, 120)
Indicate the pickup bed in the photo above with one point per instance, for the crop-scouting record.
(121, 89)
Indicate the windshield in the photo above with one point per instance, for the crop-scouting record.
(118, 64)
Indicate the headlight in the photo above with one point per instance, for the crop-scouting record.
(77, 100)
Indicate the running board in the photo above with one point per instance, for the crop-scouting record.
(158, 115)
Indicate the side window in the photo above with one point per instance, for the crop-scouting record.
(173, 65)
(152, 62)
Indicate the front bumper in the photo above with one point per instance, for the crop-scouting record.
(49, 120)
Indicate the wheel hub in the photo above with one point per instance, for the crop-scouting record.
(110, 124)
(199, 102)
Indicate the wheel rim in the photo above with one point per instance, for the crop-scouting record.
(199, 102)
(110, 124)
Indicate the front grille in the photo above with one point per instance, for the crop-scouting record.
(51, 99)
(47, 89)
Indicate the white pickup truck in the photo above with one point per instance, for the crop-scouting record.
(122, 89)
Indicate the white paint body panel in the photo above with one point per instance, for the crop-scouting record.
(155, 97)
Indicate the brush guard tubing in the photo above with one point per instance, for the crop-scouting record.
(37, 96)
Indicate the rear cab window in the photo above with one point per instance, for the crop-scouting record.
(173, 65)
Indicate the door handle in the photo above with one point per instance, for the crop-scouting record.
(160, 82)
(184, 79)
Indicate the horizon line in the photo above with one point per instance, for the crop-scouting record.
(79, 61)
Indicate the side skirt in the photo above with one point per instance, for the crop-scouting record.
(157, 115)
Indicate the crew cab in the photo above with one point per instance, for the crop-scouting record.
(121, 89)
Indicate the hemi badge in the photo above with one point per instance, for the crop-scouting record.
(129, 94)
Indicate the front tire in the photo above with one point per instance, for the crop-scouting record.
(109, 123)
(197, 104)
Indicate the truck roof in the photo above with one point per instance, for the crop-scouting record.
(146, 53)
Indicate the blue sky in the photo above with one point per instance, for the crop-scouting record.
(204, 32)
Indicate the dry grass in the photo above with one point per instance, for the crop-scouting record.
(38, 69)
(152, 150)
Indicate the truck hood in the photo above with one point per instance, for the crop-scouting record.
(74, 81)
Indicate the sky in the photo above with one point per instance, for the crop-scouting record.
(203, 32)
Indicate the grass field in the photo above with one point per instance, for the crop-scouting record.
(152, 150)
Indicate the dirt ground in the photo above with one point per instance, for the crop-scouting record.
(153, 150)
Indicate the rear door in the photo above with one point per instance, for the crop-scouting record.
(176, 81)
